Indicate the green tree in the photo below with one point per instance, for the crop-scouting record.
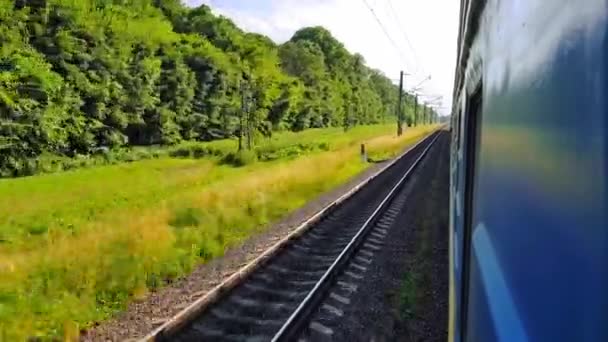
(77, 75)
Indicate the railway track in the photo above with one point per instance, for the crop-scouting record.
(277, 299)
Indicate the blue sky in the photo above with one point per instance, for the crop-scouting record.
(424, 32)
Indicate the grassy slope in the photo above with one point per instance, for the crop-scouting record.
(77, 246)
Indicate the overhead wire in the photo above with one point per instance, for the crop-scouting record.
(371, 9)
(394, 43)
(405, 35)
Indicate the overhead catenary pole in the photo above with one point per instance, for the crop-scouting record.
(242, 113)
(223, 115)
(399, 115)
(424, 115)
(250, 121)
(422, 112)
(347, 114)
(416, 110)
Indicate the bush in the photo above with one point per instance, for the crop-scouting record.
(38, 229)
(240, 158)
(186, 217)
(51, 163)
(273, 152)
(199, 151)
(196, 150)
(48, 163)
(142, 154)
(324, 146)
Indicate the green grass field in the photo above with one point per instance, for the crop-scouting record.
(77, 246)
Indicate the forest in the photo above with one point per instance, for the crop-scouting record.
(83, 77)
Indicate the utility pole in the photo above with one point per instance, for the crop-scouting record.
(399, 118)
(422, 109)
(424, 115)
(416, 110)
(223, 109)
(250, 122)
(345, 121)
(347, 115)
(242, 113)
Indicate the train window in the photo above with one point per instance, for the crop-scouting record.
(456, 129)
(471, 132)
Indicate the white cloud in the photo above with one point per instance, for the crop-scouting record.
(430, 25)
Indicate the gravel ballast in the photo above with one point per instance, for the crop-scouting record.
(383, 305)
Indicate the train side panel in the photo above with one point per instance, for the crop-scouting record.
(529, 190)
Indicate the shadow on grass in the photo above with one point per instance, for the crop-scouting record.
(378, 161)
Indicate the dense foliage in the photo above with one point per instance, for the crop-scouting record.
(82, 76)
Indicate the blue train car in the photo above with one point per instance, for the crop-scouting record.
(529, 167)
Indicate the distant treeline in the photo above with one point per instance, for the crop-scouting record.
(80, 76)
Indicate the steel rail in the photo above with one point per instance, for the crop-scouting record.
(299, 317)
(185, 316)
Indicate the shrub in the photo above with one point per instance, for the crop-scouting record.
(209, 249)
(186, 217)
(38, 229)
(142, 154)
(181, 152)
(48, 163)
(199, 151)
(240, 158)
